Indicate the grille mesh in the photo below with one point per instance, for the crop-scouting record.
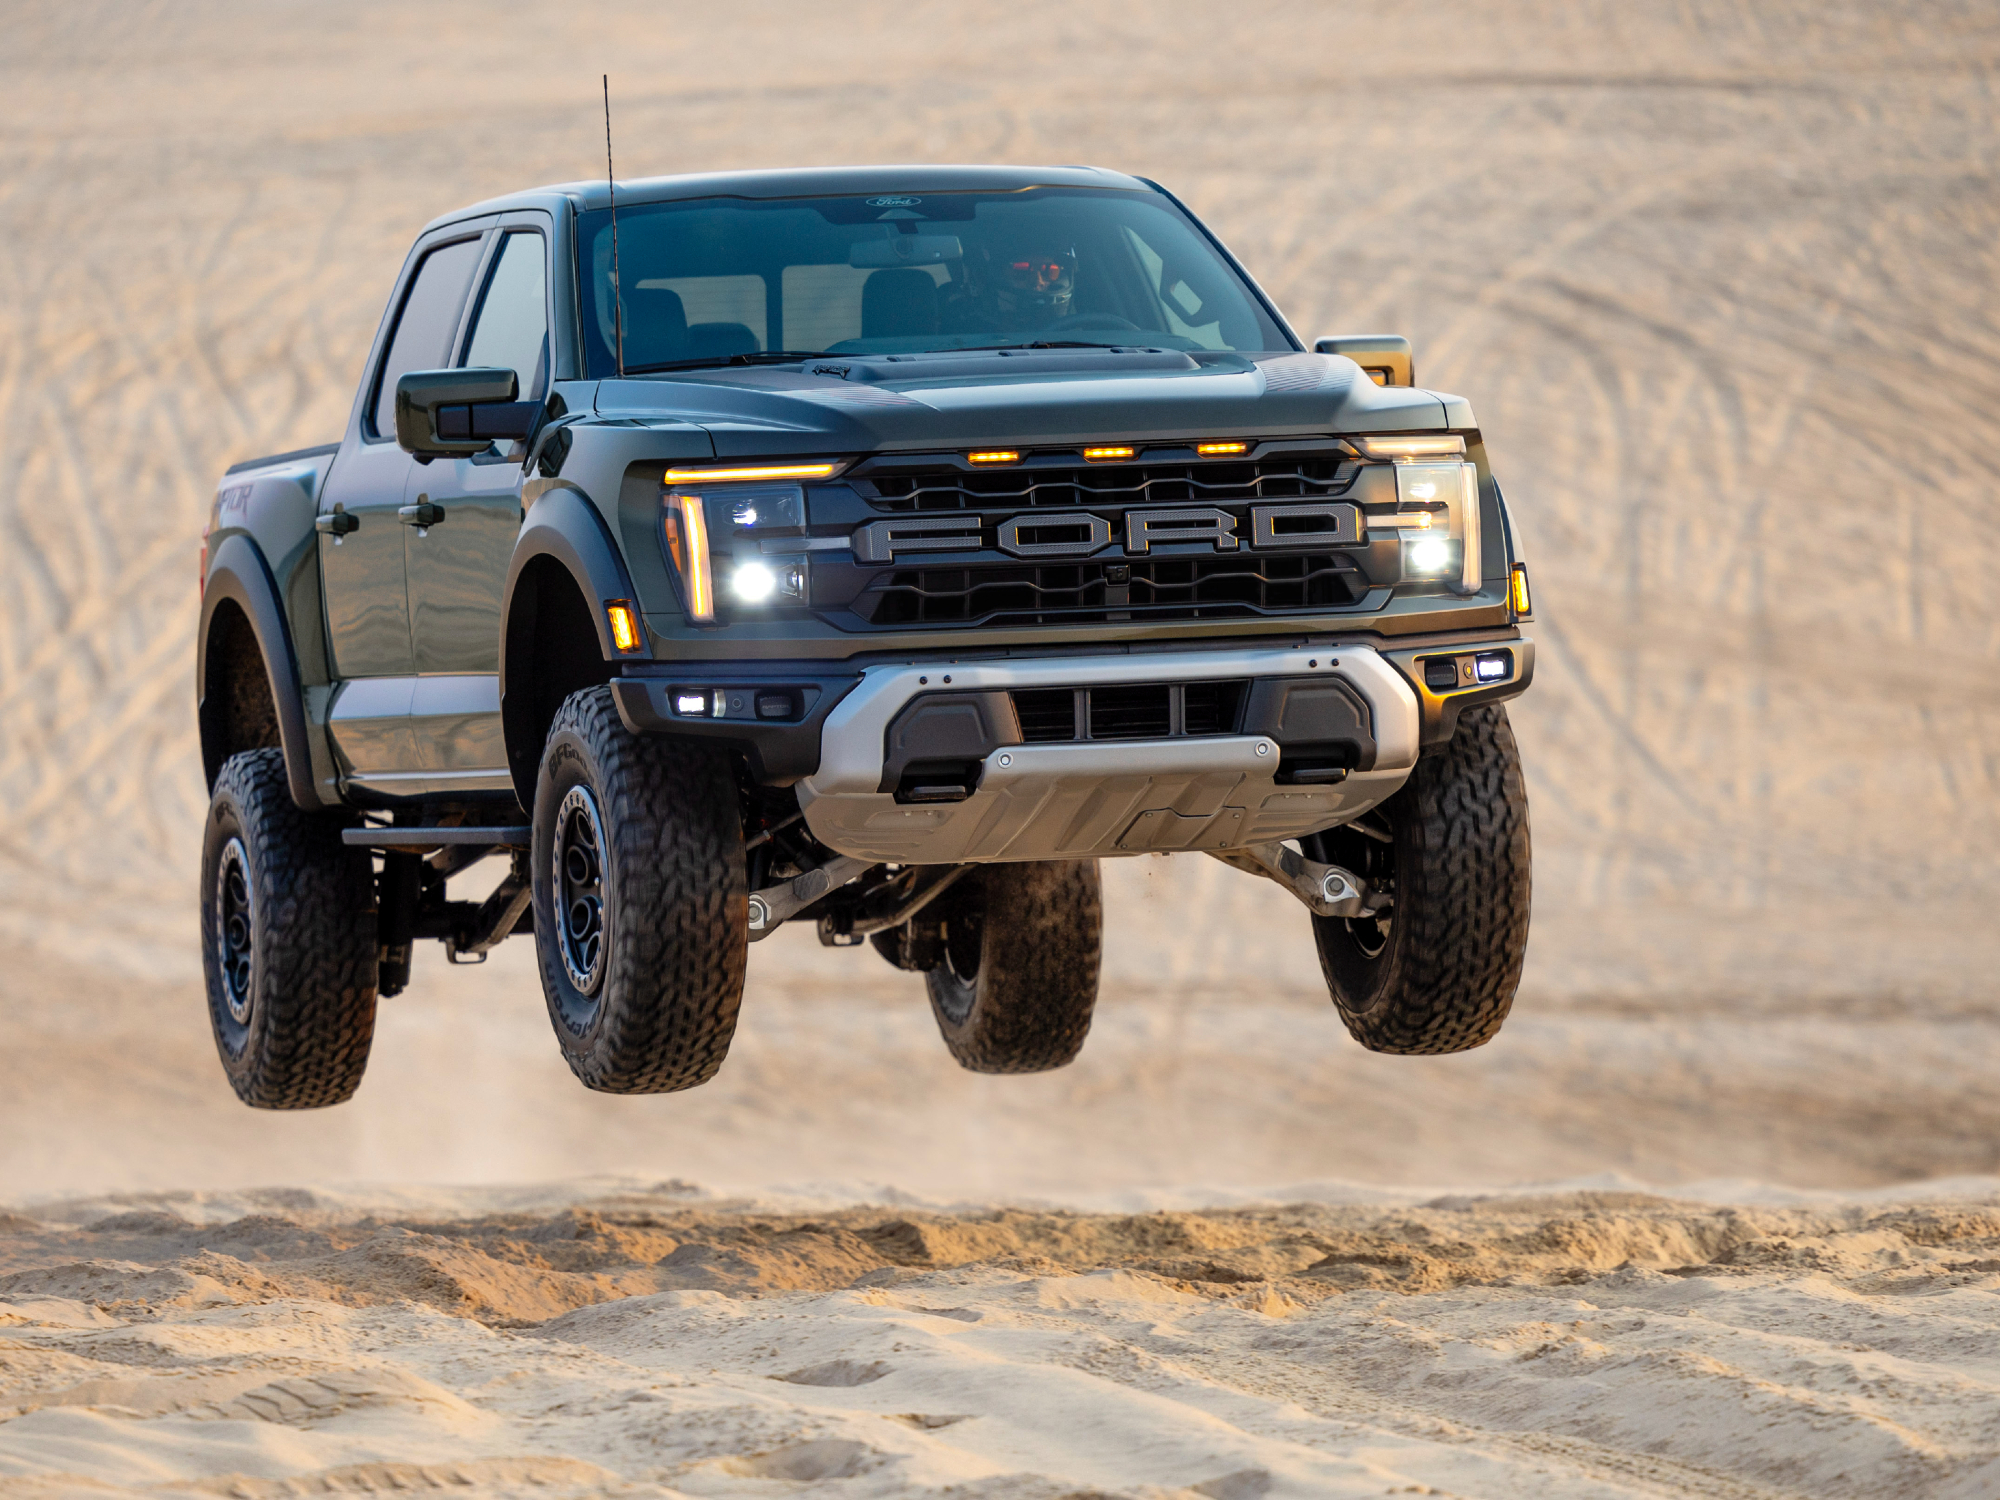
(1170, 588)
(1277, 478)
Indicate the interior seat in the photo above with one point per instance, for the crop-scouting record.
(656, 326)
(898, 304)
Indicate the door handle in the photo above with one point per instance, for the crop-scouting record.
(423, 513)
(337, 522)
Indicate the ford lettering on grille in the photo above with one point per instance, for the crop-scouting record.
(1082, 533)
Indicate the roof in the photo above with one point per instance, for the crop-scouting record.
(801, 182)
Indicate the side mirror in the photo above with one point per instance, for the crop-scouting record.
(1384, 358)
(456, 413)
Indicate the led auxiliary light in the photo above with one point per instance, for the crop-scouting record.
(1220, 450)
(1107, 455)
(994, 456)
(692, 705)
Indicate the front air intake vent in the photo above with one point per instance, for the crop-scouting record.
(1134, 711)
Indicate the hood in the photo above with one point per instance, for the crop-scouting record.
(1032, 398)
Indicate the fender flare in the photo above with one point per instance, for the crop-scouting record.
(564, 527)
(240, 574)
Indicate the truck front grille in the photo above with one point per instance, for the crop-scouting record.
(1281, 476)
(1182, 588)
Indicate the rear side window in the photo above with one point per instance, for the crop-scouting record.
(511, 329)
(422, 340)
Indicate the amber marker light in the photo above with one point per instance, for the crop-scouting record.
(1410, 447)
(754, 472)
(1221, 450)
(1524, 602)
(994, 456)
(624, 624)
(1107, 455)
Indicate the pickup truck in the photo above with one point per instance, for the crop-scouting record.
(875, 548)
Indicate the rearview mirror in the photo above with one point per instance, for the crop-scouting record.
(1384, 358)
(905, 250)
(456, 413)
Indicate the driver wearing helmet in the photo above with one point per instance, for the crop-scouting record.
(1014, 289)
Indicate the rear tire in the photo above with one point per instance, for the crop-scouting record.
(288, 941)
(1438, 973)
(1022, 947)
(641, 913)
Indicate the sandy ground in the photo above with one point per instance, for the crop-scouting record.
(1719, 279)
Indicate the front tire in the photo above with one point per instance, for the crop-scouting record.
(641, 913)
(288, 941)
(1022, 945)
(1438, 972)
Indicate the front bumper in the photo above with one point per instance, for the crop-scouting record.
(1091, 798)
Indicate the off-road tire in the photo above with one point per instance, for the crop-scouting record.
(1449, 961)
(1023, 944)
(659, 1010)
(288, 941)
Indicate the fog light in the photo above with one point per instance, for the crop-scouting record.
(1431, 555)
(753, 583)
(1491, 668)
(695, 705)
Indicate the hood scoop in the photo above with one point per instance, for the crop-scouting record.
(984, 364)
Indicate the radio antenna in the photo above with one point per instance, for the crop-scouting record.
(611, 183)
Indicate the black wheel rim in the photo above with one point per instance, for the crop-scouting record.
(235, 930)
(1367, 847)
(578, 883)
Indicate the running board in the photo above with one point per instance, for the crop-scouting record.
(437, 838)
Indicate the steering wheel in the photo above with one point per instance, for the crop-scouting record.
(1091, 323)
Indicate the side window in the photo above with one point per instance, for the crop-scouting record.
(511, 329)
(422, 340)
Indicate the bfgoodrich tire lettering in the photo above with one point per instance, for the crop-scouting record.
(288, 941)
(1439, 974)
(641, 915)
(1023, 944)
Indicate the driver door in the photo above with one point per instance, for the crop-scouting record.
(458, 565)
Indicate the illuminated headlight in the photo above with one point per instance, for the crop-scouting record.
(1429, 557)
(768, 582)
(753, 583)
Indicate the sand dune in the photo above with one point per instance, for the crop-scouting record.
(655, 1342)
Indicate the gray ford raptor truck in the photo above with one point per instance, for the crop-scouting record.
(878, 548)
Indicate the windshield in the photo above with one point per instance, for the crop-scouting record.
(711, 279)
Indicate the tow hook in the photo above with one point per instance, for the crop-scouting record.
(1325, 890)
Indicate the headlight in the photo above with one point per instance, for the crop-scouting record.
(1437, 513)
(753, 583)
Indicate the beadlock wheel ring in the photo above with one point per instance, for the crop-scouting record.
(235, 930)
(578, 883)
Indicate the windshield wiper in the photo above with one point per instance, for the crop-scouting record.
(765, 357)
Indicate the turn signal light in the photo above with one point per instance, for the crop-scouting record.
(1106, 455)
(754, 472)
(1220, 450)
(994, 456)
(1524, 602)
(624, 624)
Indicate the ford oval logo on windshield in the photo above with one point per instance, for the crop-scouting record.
(894, 202)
